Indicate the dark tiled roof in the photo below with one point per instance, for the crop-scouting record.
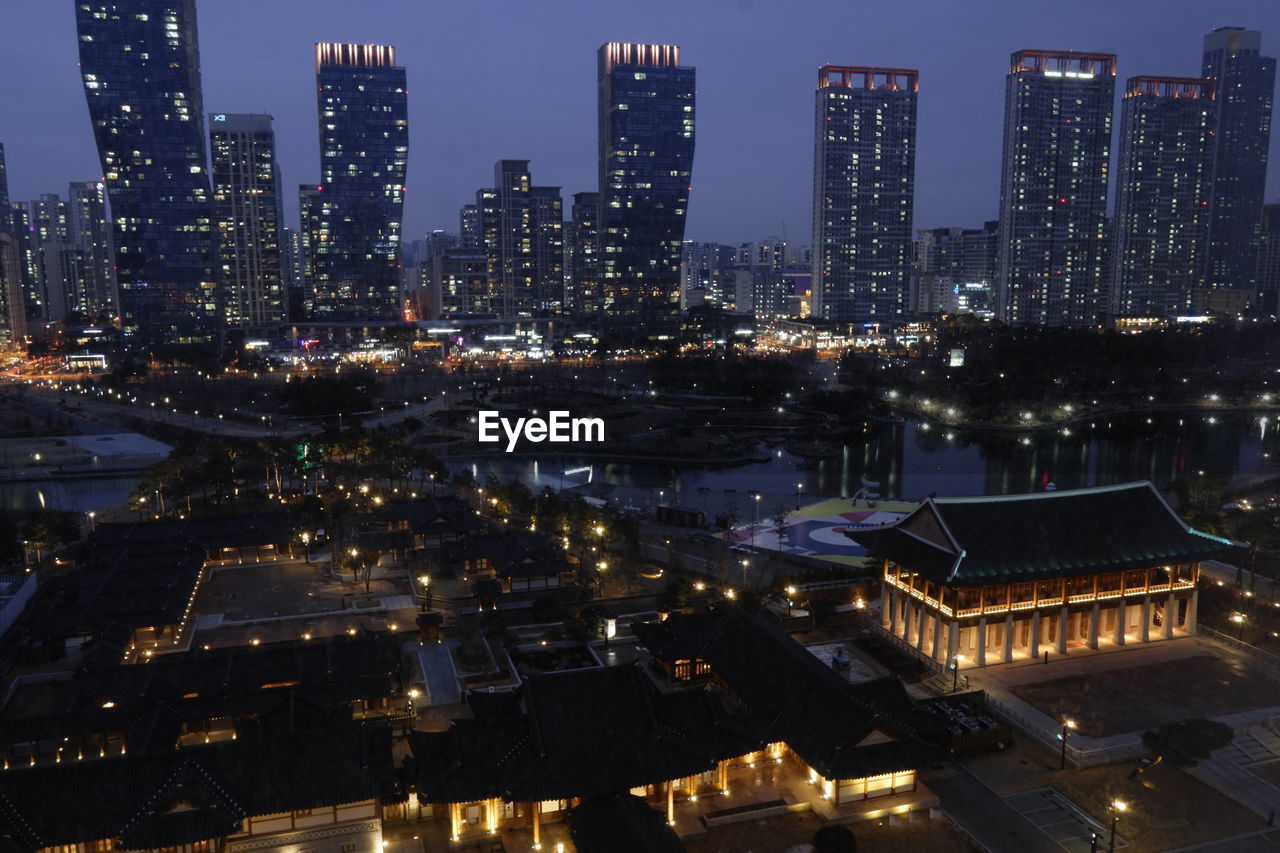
(620, 823)
(822, 717)
(1049, 534)
(592, 731)
(430, 515)
(180, 796)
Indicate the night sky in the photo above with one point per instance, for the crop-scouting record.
(491, 80)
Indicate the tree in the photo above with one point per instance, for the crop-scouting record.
(1186, 743)
(780, 524)
(834, 839)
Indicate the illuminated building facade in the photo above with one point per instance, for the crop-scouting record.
(246, 206)
(584, 259)
(140, 65)
(646, 139)
(980, 581)
(522, 231)
(863, 192)
(13, 311)
(1245, 86)
(93, 296)
(1163, 184)
(364, 150)
(1053, 187)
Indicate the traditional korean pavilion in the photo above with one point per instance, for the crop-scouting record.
(987, 580)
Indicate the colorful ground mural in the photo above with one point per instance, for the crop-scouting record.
(817, 530)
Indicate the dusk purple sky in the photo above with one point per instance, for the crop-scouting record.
(491, 80)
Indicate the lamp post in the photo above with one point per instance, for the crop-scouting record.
(600, 537)
(355, 553)
(955, 672)
(1238, 618)
(1117, 806)
(799, 489)
(424, 583)
(791, 591)
(1068, 726)
(306, 544)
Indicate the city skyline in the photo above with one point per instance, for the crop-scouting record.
(49, 142)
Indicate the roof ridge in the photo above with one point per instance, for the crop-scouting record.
(1058, 493)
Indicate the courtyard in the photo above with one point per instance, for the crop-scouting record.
(1139, 698)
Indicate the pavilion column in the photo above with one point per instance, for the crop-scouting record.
(906, 619)
(1063, 615)
(1118, 636)
(982, 641)
(671, 802)
(1033, 644)
(1008, 639)
(453, 821)
(1094, 615)
(1191, 611)
(724, 776)
(953, 640)
(937, 635)
(920, 617)
(887, 616)
(1170, 615)
(537, 829)
(1146, 618)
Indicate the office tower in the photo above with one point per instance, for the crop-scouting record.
(469, 227)
(140, 64)
(13, 310)
(511, 253)
(94, 297)
(459, 284)
(1245, 90)
(1053, 187)
(28, 259)
(955, 270)
(646, 138)
(863, 191)
(56, 268)
(1163, 183)
(584, 247)
(771, 253)
(364, 146)
(547, 221)
(293, 272)
(311, 227)
(1269, 259)
(246, 210)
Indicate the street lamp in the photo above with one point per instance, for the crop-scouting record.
(1238, 618)
(955, 672)
(799, 489)
(1117, 806)
(306, 543)
(1068, 726)
(791, 592)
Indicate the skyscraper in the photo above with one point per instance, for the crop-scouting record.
(1163, 184)
(1053, 187)
(364, 149)
(646, 139)
(246, 209)
(863, 192)
(13, 311)
(56, 267)
(94, 297)
(547, 221)
(469, 227)
(584, 243)
(1245, 87)
(140, 65)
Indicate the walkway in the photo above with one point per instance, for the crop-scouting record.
(987, 817)
(1236, 782)
(436, 662)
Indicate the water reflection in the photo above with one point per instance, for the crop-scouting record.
(912, 459)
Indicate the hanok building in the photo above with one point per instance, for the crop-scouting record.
(990, 580)
(773, 724)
